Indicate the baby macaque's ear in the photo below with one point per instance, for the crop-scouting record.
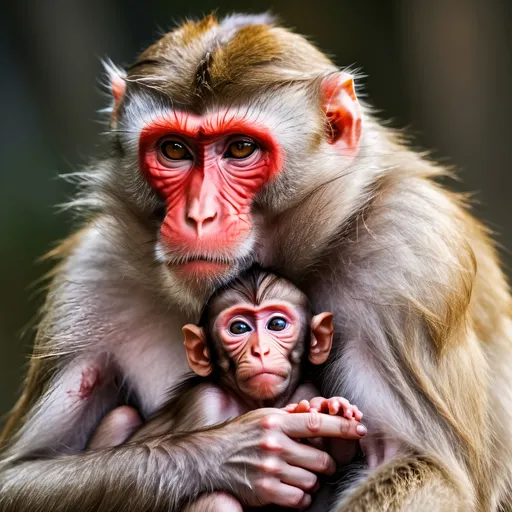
(322, 330)
(197, 352)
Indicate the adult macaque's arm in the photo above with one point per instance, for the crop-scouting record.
(255, 457)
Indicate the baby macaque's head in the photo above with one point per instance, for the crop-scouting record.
(253, 335)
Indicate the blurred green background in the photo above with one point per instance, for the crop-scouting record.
(443, 68)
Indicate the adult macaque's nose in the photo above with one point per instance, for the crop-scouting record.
(202, 215)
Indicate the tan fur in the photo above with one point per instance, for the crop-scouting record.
(415, 483)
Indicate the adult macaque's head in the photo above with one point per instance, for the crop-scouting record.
(254, 332)
(227, 123)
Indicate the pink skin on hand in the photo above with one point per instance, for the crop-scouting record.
(335, 406)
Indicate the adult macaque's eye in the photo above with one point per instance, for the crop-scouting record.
(276, 324)
(174, 150)
(241, 148)
(239, 327)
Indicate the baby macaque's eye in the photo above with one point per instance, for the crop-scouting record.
(276, 324)
(239, 327)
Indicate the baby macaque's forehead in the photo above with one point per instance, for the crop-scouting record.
(264, 309)
(270, 289)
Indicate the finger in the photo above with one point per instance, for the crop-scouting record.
(117, 426)
(305, 502)
(320, 425)
(358, 415)
(347, 408)
(316, 403)
(298, 477)
(307, 457)
(290, 407)
(303, 406)
(278, 493)
(334, 406)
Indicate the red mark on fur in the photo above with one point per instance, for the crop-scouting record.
(89, 380)
(208, 197)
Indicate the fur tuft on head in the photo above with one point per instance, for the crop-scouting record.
(236, 21)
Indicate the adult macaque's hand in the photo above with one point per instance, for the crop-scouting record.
(342, 451)
(266, 464)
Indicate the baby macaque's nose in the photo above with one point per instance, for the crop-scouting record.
(260, 349)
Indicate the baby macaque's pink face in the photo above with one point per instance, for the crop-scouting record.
(260, 341)
(260, 347)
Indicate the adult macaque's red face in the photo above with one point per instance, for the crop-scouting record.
(207, 169)
(259, 340)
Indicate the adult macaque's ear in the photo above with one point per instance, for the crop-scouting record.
(197, 353)
(116, 78)
(343, 112)
(322, 331)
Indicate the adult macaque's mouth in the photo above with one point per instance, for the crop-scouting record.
(200, 258)
(209, 259)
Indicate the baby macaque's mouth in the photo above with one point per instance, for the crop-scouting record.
(265, 373)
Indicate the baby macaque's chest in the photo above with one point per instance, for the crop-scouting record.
(210, 405)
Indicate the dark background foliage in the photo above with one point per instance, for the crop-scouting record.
(443, 69)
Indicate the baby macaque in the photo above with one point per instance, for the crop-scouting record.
(248, 352)
(252, 339)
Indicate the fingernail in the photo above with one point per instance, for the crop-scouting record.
(361, 430)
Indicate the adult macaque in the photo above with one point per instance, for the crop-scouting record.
(249, 352)
(234, 142)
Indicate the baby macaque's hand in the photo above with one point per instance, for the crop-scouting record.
(335, 406)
